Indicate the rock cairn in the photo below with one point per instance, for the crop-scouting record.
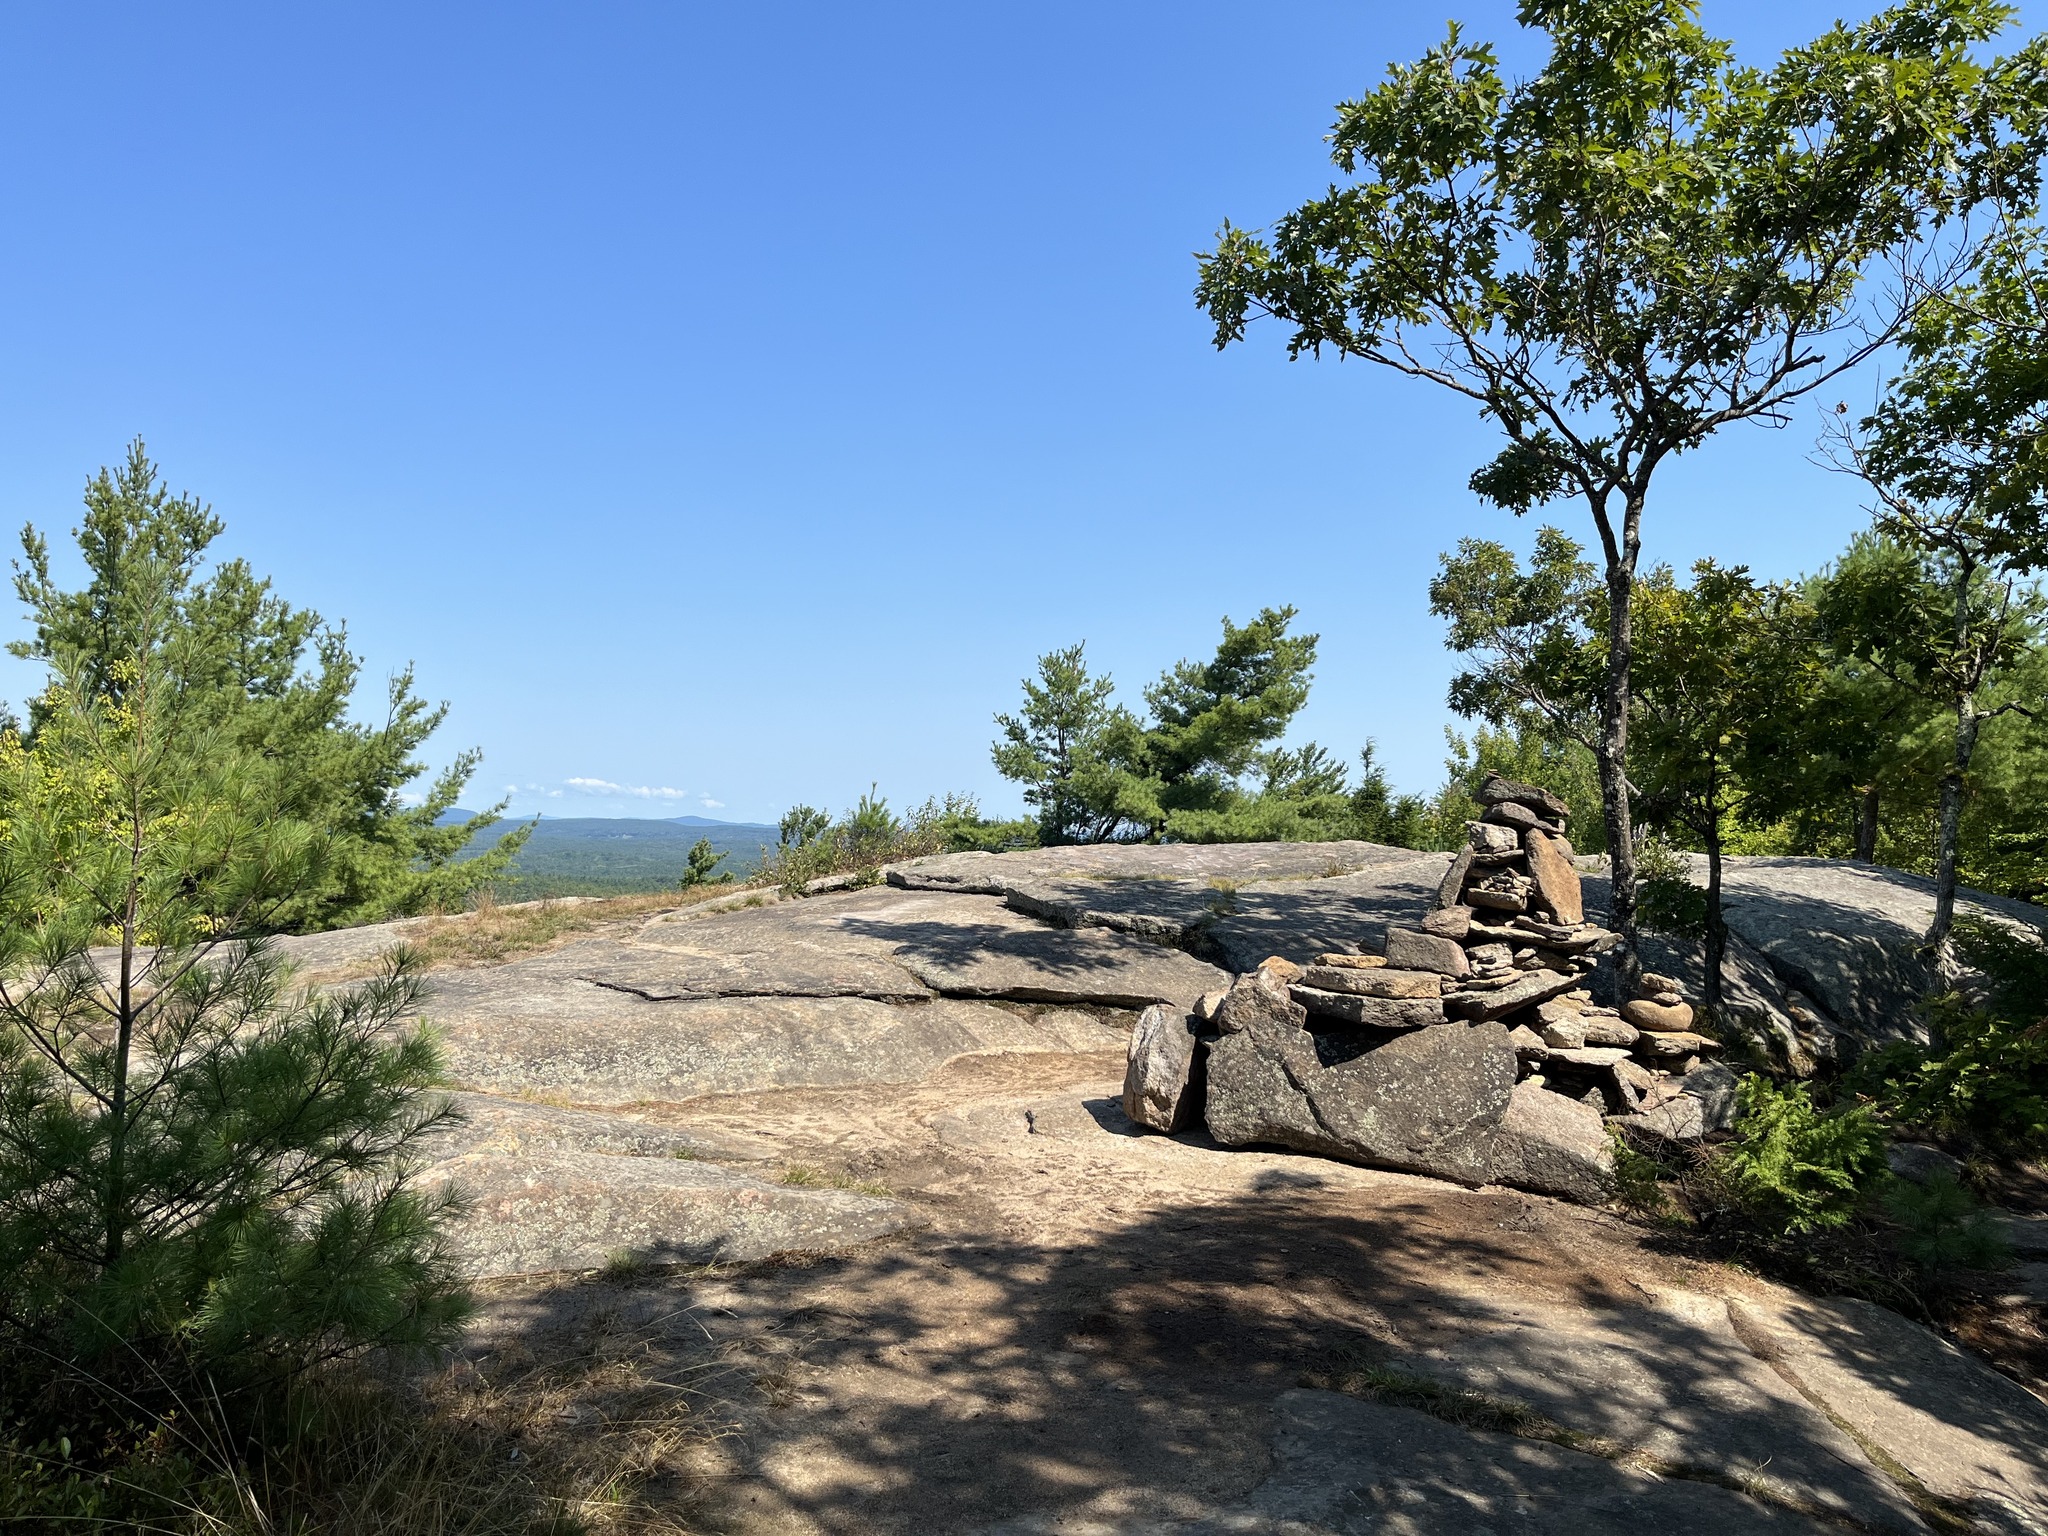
(1469, 1047)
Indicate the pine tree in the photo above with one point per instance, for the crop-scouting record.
(199, 1163)
(267, 678)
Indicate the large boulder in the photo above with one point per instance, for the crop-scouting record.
(1427, 1102)
(1160, 1070)
(1258, 1082)
(1554, 1145)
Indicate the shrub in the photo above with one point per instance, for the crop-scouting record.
(1942, 1227)
(1986, 1079)
(814, 847)
(1796, 1168)
(703, 860)
(1667, 901)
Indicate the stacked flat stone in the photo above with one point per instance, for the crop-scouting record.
(1469, 1048)
(1508, 940)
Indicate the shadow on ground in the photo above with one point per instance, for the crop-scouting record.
(951, 1386)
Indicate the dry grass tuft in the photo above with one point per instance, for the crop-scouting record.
(489, 934)
(604, 1438)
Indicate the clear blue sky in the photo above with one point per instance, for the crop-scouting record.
(729, 402)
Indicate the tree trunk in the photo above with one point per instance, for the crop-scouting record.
(1612, 752)
(1949, 831)
(115, 1212)
(1866, 827)
(1717, 928)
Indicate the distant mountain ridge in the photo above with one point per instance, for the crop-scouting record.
(568, 855)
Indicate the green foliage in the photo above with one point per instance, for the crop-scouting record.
(1524, 746)
(802, 825)
(1077, 753)
(1203, 764)
(1943, 1227)
(1638, 242)
(201, 1168)
(703, 860)
(1667, 900)
(266, 679)
(815, 847)
(1955, 454)
(1986, 1079)
(1530, 638)
(1796, 1168)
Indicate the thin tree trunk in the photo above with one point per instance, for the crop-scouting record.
(1866, 826)
(1612, 747)
(1949, 831)
(115, 1212)
(1717, 928)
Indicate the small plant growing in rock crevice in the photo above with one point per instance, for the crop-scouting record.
(1795, 1166)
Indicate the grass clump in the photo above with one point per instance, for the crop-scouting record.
(813, 846)
(803, 1176)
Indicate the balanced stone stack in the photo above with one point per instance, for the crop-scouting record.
(1468, 1048)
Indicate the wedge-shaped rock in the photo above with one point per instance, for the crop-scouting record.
(1672, 1047)
(1512, 816)
(1454, 879)
(1427, 1102)
(1448, 922)
(1160, 1069)
(1534, 987)
(1557, 883)
(1554, 1145)
(1592, 1058)
(1257, 997)
(1487, 837)
(1376, 1012)
(1382, 981)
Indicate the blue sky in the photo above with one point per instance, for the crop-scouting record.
(723, 405)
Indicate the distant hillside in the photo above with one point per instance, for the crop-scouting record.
(596, 855)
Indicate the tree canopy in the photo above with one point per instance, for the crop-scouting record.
(267, 678)
(1204, 763)
(1642, 243)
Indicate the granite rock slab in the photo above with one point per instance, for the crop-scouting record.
(1671, 1381)
(1966, 1432)
(515, 1028)
(566, 1210)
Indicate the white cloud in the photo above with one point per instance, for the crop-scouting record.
(630, 791)
(710, 804)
